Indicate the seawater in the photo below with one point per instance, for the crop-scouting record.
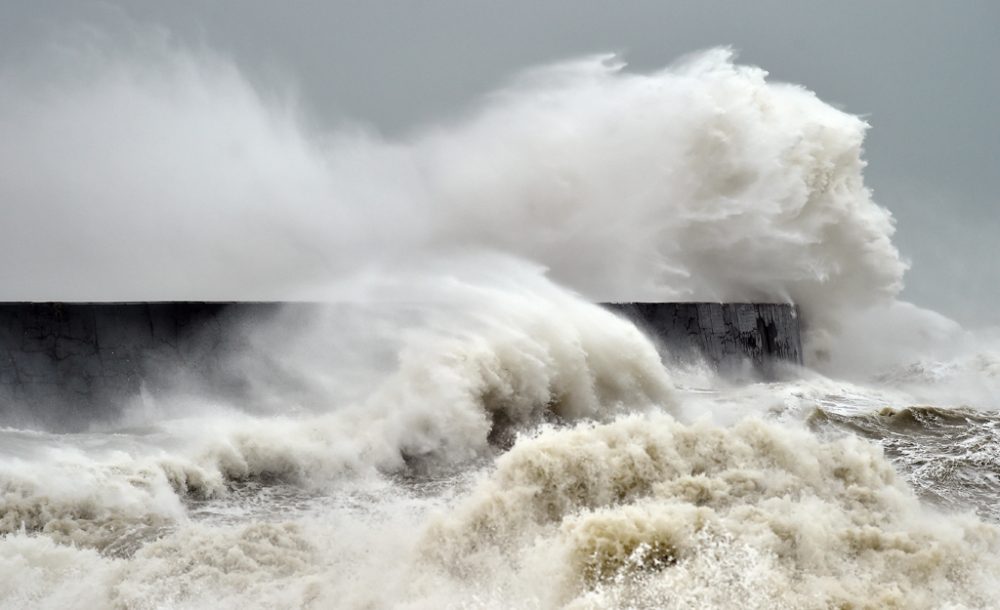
(479, 434)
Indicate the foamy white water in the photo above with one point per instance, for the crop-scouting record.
(474, 433)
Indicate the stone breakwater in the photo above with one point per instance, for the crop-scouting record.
(89, 358)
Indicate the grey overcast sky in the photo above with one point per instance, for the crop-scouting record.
(923, 73)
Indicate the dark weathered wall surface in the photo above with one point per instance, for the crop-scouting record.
(88, 357)
(725, 334)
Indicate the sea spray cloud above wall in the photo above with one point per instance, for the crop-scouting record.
(171, 177)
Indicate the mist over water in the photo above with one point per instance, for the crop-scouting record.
(468, 429)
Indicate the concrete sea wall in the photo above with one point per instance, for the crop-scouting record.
(63, 365)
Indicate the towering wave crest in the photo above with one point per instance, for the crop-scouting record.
(699, 182)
